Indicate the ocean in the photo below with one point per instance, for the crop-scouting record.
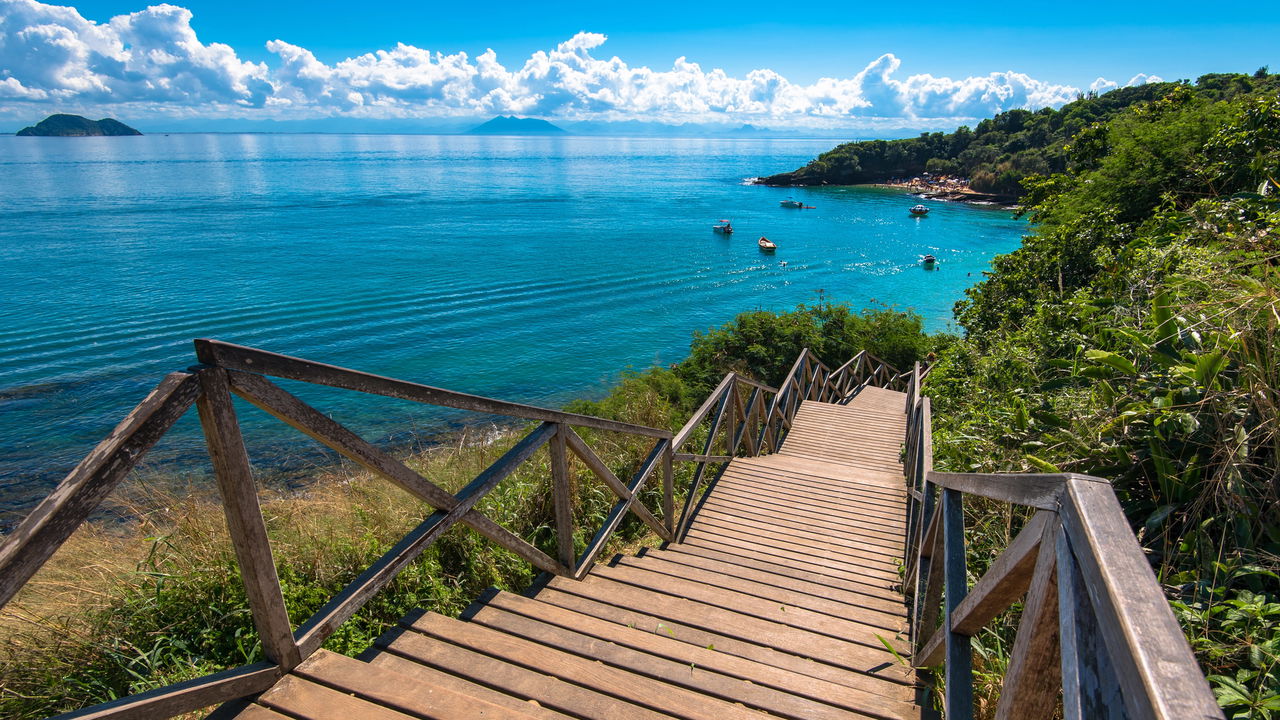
(532, 269)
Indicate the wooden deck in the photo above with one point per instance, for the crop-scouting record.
(781, 599)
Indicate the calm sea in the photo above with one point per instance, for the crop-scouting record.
(530, 269)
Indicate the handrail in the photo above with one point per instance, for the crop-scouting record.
(1095, 623)
(228, 369)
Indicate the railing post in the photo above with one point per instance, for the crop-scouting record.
(245, 525)
(1089, 687)
(731, 428)
(959, 669)
(668, 489)
(562, 497)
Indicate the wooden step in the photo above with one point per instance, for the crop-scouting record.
(701, 679)
(863, 652)
(746, 564)
(730, 641)
(404, 648)
(708, 657)
(589, 673)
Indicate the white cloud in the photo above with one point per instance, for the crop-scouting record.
(1102, 85)
(1143, 79)
(153, 60)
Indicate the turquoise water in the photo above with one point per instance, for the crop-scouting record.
(530, 269)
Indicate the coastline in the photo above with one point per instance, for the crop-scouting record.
(953, 193)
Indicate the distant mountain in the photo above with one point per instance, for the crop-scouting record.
(76, 126)
(512, 125)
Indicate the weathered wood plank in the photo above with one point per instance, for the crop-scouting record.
(716, 658)
(238, 357)
(1005, 581)
(1158, 674)
(418, 673)
(729, 640)
(869, 657)
(302, 698)
(856, 611)
(41, 533)
(1032, 679)
(959, 654)
(775, 577)
(398, 692)
(858, 629)
(272, 399)
(245, 525)
(562, 496)
(1090, 689)
(408, 649)
(700, 414)
(184, 697)
(353, 597)
(634, 688)
(701, 679)
(1038, 491)
(624, 493)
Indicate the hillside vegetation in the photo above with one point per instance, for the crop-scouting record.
(1000, 152)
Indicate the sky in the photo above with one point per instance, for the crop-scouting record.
(812, 65)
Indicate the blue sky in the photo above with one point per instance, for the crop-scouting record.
(948, 61)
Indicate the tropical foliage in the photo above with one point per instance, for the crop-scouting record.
(999, 153)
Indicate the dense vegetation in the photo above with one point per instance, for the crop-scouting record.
(1002, 151)
(1134, 337)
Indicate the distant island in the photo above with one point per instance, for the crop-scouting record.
(75, 126)
(512, 125)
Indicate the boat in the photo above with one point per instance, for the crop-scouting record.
(724, 227)
(919, 210)
(789, 203)
(766, 245)
(929, 262)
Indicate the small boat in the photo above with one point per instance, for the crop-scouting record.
(929, 262)
(766, 245)
(724, 227)
(919, 210)
(789, 203)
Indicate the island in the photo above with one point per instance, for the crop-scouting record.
(512, 125)
(61, 125)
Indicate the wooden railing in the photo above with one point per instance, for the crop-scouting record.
(227, 369)
(1095, 624)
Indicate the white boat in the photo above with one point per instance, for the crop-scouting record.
(919, 210)
(789, 203)
(766, 244)
(724, 227)
(929, 261)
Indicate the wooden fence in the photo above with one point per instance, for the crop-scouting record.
(1095, 624)
(736, 423)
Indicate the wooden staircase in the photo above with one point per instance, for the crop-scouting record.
(778, 591)
(782, 598)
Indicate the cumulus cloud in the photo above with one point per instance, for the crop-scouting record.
(49, 52)
(52, 55)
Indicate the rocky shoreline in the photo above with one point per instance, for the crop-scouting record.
(952, 193)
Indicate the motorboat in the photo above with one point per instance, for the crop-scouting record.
(766, 245)
(789, 203)
(929, 262)
(724, 227)
(919, 210)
